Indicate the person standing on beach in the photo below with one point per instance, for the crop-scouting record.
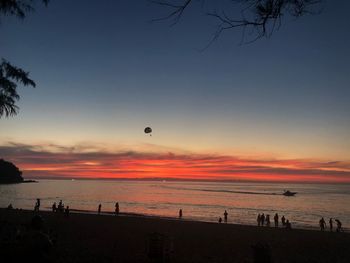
(225, 216)
(262, 219)
(258, 219)
(116, 208)
(37, 205)
(331, 224)
(54, 208)
(283, 220)
(180, 213)
(60, 206)
(99, 209)
(268, 220)
(220, 219)
(276, 220)
(322, 224)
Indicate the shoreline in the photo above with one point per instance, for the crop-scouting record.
(184, 219)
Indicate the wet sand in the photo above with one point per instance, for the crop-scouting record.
(105, 238)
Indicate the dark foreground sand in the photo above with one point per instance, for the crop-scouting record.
(94, 238)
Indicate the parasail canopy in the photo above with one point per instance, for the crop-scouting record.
(148, 130)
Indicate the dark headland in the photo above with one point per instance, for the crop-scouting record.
(10, 173)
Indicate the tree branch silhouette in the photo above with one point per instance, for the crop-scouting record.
(263, 17)
(11, 76)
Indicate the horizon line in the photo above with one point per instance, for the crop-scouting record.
(172, 179)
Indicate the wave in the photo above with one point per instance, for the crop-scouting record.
(221, 191)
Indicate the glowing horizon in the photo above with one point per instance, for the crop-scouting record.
(53, 161)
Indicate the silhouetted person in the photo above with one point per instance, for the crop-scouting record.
(116, 209)
(283, 220)
(331, 224)
(37, 205)
(258, 219)
(225, 216)
(10, 207)
(262, 219)
(268, 220)
(99, 209)
(60, 206)
(322, 224)
(275, 218)
(54, 208)
(180, 213)
(220, 219)
(66, 211)
(288, 225)
(339, 228)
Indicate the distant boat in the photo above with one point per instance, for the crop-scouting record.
(289, 193)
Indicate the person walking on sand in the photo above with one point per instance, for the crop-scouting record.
(116, 208)
(322, 224)
(99, 209)
(275, 218)
(258, 219)
(339, 229)
(180, 213)
(331, 224)
(283, 220)
(225, 216)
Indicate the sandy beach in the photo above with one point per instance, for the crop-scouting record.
(105, 238)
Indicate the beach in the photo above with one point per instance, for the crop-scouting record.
(83, 237)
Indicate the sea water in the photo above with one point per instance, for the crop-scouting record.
(202, 201)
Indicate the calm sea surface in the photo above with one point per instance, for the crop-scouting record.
(203, 201)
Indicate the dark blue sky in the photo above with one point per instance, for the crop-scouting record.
(103, 72)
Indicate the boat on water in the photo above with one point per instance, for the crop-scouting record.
(289, 193)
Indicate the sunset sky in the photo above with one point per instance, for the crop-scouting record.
(276, 109)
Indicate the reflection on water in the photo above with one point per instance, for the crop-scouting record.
(205, 201)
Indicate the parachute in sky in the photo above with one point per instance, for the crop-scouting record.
(148, 130)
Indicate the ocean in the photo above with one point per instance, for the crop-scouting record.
(201, 201)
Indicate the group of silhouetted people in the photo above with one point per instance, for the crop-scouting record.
(116, 209)
(323, 225)
(264, 220)
(60, 208)
(225, 217)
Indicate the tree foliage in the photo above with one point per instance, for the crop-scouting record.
(9, 173)
(11, 76)
(18, 8)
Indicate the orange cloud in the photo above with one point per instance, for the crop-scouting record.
(40, 162)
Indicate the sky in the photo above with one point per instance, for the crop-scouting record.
(275, 109)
